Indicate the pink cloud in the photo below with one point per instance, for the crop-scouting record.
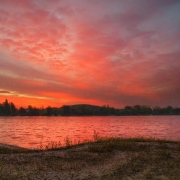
(116, 53)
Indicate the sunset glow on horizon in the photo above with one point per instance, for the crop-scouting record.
(99, 52)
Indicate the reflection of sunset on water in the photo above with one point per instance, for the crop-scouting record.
(31, 132)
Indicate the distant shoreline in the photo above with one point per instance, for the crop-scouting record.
(9, 109)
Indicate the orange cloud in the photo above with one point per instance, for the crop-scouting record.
(61, 52)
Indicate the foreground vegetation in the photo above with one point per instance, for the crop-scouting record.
(105, 158)
(9, 109)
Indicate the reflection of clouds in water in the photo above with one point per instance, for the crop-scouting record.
(31, 131)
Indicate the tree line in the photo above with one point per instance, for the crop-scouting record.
(9, 109)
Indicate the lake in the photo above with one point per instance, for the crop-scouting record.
(31, 132)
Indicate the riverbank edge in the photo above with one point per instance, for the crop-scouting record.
(105, 158)
(96, 138)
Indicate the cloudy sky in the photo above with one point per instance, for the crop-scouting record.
(116, 52)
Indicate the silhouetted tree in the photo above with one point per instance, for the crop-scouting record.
(65, 110)
(13, 109)
(22, 111)
(137, 109)
(6, 108)
(1, 109)
(128, 110)
(169, 110)
(157, 110)
(49, 111)
(145, 110)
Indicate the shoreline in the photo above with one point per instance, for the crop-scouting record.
(54, 145)
(3, 145)
(107, 158)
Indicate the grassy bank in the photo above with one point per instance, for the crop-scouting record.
(106, 158)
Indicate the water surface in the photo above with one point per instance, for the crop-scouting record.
(31, 132)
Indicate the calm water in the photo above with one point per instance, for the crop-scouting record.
(30, 132)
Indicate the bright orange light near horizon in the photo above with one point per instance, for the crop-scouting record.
(33, 101)
(52, 54)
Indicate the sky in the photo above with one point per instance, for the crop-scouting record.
(100, 52)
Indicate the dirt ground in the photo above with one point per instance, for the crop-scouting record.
(100, 160)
